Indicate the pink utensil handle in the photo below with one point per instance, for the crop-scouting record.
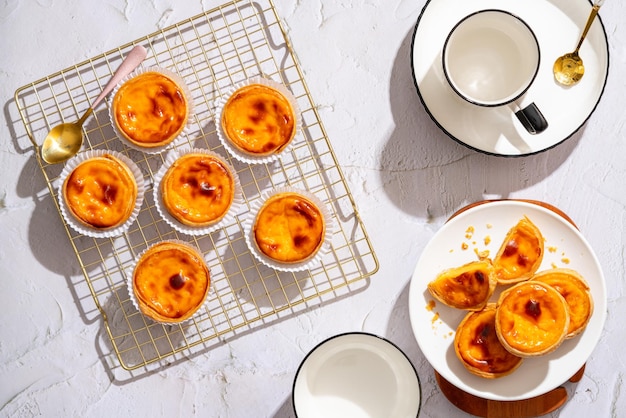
(132, 61)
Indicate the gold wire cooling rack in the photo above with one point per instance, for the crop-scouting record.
(212, 51)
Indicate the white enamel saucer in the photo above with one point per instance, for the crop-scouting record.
(356, 375)
(557, 25)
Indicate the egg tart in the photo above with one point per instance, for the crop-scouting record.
(198, 189)
(100, 192)
(258, 120)
(289, 228)
(466, 287)
(520, 254)
(170, 282)
(532, 319)
(477, 346)
(150, 109)
(573, 287)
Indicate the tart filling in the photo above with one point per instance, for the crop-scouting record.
(477, 345)
(520, 254)
(100, 192)
(150, 110)
(289, 228)
(198, 189)
(258, 120)
(466, 287)
(170, 282)
(532, 319)
(573, 287)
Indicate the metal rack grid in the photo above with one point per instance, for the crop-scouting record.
(211, 51)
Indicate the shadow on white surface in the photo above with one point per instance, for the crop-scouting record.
(430, 175)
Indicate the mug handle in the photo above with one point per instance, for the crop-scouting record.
(532, 119)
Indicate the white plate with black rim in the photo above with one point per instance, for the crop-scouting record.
(479, 230)
(557, 25)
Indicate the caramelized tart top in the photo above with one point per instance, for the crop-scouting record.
(532, 319)
(170, 282)
(198, 189)
(466, 287)
(520, 254)
(150, 109)
(258, 120)
(574, 289)
(477, 345)
(289, 228)
(101, 192)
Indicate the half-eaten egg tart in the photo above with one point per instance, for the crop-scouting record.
(466, 287)
(520, 254)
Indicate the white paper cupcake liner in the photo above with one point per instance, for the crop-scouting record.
(133, 297)
(277, 265)
(74, 223)
(190, 110)
(234, 151)
(172, 156)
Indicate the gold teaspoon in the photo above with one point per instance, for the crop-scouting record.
(569, 69)
(65, 140)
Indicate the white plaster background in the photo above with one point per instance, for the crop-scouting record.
(406, 176)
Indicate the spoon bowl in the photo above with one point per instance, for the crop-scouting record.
(65, 140)
(569, 69)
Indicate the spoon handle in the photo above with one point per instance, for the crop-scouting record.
(592, 16)
(132, 61)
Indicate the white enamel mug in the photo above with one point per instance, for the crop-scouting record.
(491, 58)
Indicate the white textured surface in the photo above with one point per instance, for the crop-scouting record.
(406, 176)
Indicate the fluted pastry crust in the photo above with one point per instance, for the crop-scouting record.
(532, 319)
(466, 287)
(477, 346)
(289, 228)
(170, 282)
(573, 287)
(150, 110)
(258, 120)
(100, 192)
(198, 189)
(520, 254)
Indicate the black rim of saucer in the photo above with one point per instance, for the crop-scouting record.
(295, 379)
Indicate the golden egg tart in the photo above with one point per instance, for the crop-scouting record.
(150, 110)
(289, 228)
(532, 319)
(100, 192)
(198, 189)
(520, 254)
(477, 346)
(573, 287)
(170, 282)
(466, 287)
(258, 120)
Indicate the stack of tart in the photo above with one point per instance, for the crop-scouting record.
(531, 317)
